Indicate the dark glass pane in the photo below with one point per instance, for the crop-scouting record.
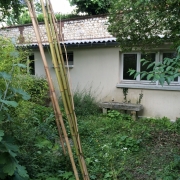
(130, 62)
(69, 57)
(149, 57)
(31, 65)
(170, 55)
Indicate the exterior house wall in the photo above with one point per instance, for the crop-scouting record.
(97, 69)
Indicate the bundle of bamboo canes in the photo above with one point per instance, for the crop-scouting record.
(62, 78)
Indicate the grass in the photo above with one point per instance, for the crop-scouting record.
(116, 147)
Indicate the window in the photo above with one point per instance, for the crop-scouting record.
(31, 65)
(130, 62)
(170, 55)
(69, 58)
(133, 61)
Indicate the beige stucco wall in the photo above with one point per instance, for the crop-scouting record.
(98, 69)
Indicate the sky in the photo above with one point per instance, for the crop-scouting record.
(61, 6)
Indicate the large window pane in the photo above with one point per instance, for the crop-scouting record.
(149, 57)
(130, 62)
(170, 55)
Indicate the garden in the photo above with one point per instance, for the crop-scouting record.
(114, 145)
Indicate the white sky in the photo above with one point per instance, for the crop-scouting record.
(61, 6)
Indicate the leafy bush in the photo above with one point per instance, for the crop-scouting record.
(85, 103)
(37, 87)
(117, 147)
(35, 130)
(25, 17)
(9, 70)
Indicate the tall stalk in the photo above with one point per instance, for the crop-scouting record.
(63, 82)
(51, 87)
(67, 96)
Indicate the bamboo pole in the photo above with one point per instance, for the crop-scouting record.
(53, 104)
(52, 91)
(69, 105)
(60, 81)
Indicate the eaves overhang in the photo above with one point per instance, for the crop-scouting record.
(77, 43)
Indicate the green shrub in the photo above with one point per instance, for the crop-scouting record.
(117, 147)
(85, 103)
(35, 130)
(37, 87)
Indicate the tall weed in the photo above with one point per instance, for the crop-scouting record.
(85, 102)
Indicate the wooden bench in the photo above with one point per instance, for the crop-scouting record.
(134, 108)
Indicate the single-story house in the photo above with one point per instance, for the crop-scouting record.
(96, 62)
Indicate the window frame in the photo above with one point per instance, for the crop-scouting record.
(69, 64)
(145, 84)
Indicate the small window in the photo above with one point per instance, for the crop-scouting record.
(69, 58)
(130, 62)
(31, 65)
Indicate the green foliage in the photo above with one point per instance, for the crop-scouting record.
(91, 7)
(85, 102)
(35, 131)
(9, 164)
(144, 24)
(117, 147)
(37, 87)
(10, 8)
(113, 114)
(25, 17)
(165, 71)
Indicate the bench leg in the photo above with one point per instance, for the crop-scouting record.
(104, 110)
(133, 115)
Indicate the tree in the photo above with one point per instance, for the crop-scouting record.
(91, 7)
(145, 23)
(10, 8)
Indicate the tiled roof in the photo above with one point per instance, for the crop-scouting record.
(86, 31)
(76, 42)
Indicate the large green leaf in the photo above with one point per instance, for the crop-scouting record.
(18, 177)
(24, 94)
(9, 103)
(161, 81)
(21, 65)
(14, 54)
(9, 168)
(5, 75)
(22, 171)
(8, 142)
(149, 76)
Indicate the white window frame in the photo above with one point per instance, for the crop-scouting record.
(145, 84)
